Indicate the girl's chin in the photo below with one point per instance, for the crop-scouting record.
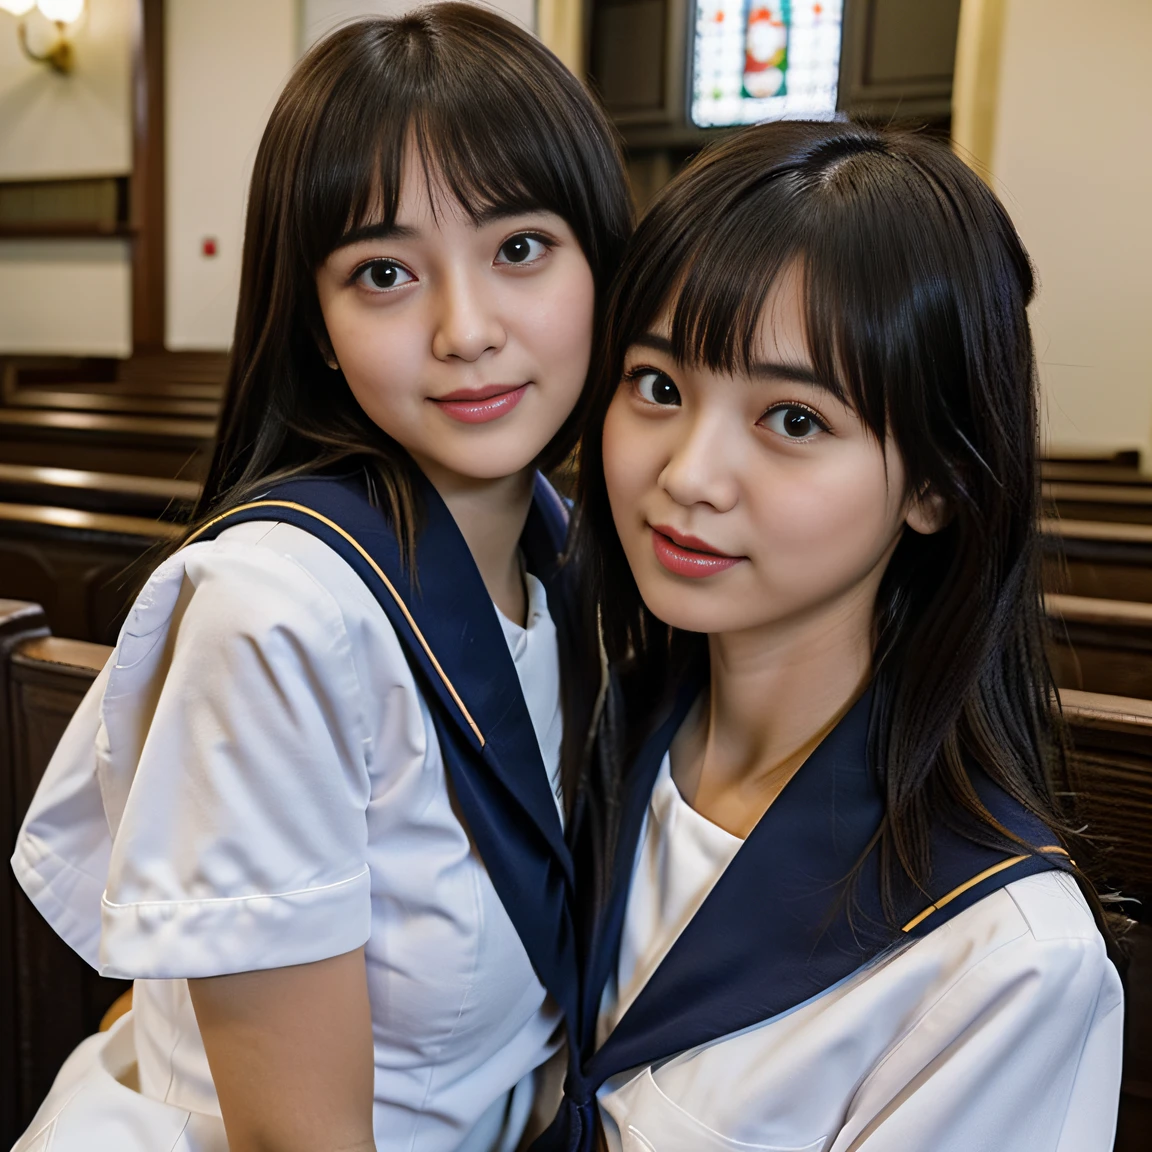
(477, 464)
(690, 609)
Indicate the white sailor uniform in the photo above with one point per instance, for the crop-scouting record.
(739, 996)
(254, 781)
(999, 1030)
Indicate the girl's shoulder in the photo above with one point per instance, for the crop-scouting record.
(265, 612)
(1037, 931)
(254, 583)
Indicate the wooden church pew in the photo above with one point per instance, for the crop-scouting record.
(91, 400)
(82, 567)
(18, 621)
(177, 375)
(164, 446)
(1122, 467)
(1101, 645)
(1121, 503)
(58, 998)
(1058, 472)
(1098, 559)
(107, 492)
(1111, 770)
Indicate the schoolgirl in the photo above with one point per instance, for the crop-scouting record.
(837, 909)
(312, 806)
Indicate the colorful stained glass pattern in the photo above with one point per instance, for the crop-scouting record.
(764, 60)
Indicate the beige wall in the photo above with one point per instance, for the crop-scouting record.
(76, 125)
(65, 295)
(1067, 146)
(225, 64)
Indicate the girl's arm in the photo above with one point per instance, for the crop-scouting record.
(290, 1051)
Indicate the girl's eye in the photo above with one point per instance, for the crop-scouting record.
(793, 422)
(522, 249)
(380, 275)
(655, 387)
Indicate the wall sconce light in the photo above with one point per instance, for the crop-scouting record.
(59, 55)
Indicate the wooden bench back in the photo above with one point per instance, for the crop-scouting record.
(83, 567)
(1101, 645)
(1100, 560)
(49, 998)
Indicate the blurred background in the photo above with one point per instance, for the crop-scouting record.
(122, 181)
(128, 130)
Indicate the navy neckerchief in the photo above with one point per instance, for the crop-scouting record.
(455, 646)
(778, 927)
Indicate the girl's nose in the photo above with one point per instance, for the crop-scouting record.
(468, 322)
(701, 469)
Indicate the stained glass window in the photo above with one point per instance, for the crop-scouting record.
(764, 60)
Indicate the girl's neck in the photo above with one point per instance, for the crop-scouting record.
(774, 693)
(491, 515)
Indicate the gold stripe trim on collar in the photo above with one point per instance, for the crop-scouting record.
(977, 879)
(375, 568)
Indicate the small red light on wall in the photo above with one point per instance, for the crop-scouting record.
(208, 246)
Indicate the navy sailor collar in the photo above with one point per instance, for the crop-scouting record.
(779, 926)
(455, 645)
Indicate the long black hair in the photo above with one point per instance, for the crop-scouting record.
(497, 118)
(916, 288)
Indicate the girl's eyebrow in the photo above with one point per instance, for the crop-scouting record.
(376, 232)
(509, 212)
(770, 369)
(382, 231)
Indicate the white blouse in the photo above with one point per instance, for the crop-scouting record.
(1000, 1030)
(255, 781)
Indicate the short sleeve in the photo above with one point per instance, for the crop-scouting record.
(61, 854)
(233, 771)
(1022, 1054)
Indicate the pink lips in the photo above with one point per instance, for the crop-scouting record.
(688, 555)
(479, 405)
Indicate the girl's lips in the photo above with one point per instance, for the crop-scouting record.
(481, 405)
(687, 561)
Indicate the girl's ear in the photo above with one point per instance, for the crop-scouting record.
(927, 512)
(324, 346)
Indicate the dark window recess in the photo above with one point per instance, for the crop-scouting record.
(92, 206)
(628, 55)
(898, 58)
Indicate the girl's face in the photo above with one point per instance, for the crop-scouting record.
(468, 344)
(755, 501)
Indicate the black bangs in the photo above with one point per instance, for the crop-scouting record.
(493, 116)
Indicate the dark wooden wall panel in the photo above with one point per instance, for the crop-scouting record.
(60, 999)
(898, 58)
(85, 580)
(18, 621)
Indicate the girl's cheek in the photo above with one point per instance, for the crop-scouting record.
(557, 320)
(833, 524)
(622, 459)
